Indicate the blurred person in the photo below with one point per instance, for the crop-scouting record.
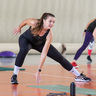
(89, 32)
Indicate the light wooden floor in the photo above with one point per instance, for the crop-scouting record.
(52, 74)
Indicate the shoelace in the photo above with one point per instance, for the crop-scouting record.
(83, 74)
(14, 77)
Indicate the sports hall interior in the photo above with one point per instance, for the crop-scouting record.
(72, 17)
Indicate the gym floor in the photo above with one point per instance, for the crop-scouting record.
(52, 74)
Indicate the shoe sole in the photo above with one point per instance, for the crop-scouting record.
(89, 61)
(81, 80)
(14, 82)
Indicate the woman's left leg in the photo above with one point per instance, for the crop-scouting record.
(55, 55)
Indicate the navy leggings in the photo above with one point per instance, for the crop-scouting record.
(88, 38)
(25, 45)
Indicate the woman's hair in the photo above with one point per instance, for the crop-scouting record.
(39, 25)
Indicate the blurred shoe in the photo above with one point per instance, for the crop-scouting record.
(14, 79)
(82, 78)
(74, 64)
(89, 59)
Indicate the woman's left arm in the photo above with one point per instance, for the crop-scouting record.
(43, 56)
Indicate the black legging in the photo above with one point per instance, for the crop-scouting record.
(25, 46)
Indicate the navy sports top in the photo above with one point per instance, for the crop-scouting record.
(35, 40)
(91, 26)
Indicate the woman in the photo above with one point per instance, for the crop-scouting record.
(39, 37)
(90, 33)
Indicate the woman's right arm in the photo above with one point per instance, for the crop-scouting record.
(31, 22)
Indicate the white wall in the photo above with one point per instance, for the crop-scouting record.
(71, 17)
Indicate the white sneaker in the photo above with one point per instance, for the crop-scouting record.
(82, 78)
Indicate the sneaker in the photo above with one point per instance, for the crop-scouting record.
(82, 78)
(14, 79)
(89, 59)
(74, 64)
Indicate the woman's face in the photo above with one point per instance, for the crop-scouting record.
(49, 22)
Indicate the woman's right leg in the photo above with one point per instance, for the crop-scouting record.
(90, 47)
(25, 46)
(55, 55)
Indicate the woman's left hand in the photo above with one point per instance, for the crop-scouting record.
(84, 34)
(38, 77)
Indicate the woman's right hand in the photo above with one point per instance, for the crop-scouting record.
(16, 30)
(38, 77)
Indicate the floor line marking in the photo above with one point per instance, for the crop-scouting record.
(28, 92)
(52, 75)
(49, 75)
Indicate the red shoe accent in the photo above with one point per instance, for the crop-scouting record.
(74, 64)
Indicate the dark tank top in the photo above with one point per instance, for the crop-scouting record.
(91, 26)
(35, 40)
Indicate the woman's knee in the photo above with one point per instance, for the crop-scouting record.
(83, 47)
(24, 49)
